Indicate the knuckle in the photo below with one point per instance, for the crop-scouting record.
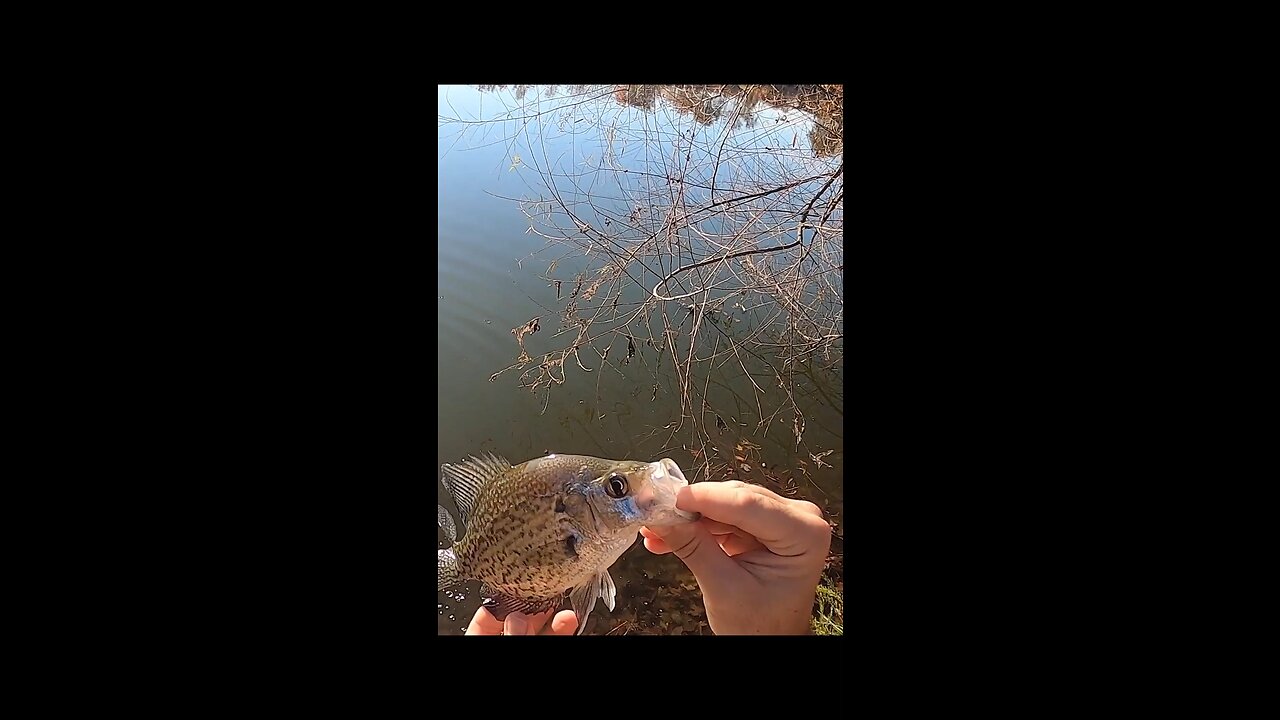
(810, 508)
(822, 532)
(749, 501)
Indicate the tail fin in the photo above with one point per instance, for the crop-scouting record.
(448, 564)
(445, 520)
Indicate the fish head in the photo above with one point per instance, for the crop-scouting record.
(633, 493)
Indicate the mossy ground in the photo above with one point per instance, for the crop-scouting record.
(828, 608)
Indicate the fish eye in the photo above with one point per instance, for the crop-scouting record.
(616, 485)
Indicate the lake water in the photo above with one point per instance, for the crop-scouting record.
(491, 273)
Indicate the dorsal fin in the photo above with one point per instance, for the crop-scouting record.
(465, 479)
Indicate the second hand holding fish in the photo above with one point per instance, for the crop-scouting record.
(756, 555)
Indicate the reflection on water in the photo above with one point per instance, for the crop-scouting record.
(620, 395)
(733, 103)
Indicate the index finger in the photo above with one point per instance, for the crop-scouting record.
(783, 526)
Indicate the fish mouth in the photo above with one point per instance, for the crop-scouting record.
(671, 467)
(666, 479)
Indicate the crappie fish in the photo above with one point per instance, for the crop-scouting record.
(551, 525)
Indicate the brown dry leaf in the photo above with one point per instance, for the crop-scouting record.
(530, 327)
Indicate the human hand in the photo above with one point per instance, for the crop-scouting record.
(484, 623)
(757, 556)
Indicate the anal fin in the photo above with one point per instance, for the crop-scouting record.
(502, 605)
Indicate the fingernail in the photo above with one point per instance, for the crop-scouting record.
(516, 624)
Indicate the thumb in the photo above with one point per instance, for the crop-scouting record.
(699, 550)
